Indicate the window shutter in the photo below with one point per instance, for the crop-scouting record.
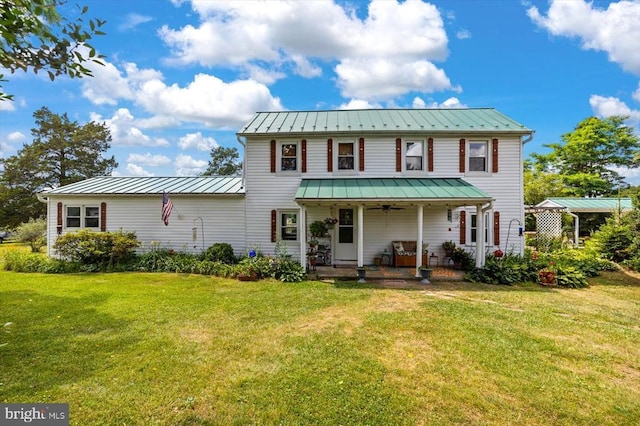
(430, 154)
(59, 219)
(103, 216)
(494, 155)
(496, 228)
(361, 154)
(273, 156)
(330, 155)
(463, 145)
(304, 155)
(398, 155)
(274, 226)
(463, 227)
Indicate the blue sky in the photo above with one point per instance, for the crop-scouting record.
(182, 76)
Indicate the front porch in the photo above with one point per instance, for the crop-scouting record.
(385, 273)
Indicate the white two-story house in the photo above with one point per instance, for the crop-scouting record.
(423, 175)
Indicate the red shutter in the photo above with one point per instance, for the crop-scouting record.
(330, 155)
(273, 156)
(274, 226)
(494, 155)
(304, 156)
(59, 219)
(496, 228)
(463, 227)
(463, 145)
(361, 154)
(430, 154)
(103, 216)
(398, 155)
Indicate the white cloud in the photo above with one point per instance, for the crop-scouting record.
(124, 130)
(149, 159)
(132, 20)
(463, 34)
(385, 79)
(197, 141)
(608, 106)
(208, 100)
(16, 137)
(359, 104)
(107, 85)
(636, 94)
(615, 30)
(9, 145)
(135, 170)
(7, 106)
(294, 35)
(188, 166)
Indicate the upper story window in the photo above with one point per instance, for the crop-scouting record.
(83, 217)
(414, 155)
(478, 158)
(346, 156)
(288, 157)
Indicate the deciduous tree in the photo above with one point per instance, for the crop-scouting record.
(224, 161)
(34, 36)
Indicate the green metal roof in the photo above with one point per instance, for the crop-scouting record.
(468, 120)
(390, 189)
(115, 185)
(585, 205)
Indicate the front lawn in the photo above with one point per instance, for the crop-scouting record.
(145, 348)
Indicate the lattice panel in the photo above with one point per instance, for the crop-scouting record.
(548, 226)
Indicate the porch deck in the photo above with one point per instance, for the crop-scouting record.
(381, 273)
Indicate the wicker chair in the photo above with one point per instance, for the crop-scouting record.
(404, 254)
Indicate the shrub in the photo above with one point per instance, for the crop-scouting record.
(509, 269)
(289, 271)
(97, 251)
(221, 252)
(18, 261)
(33, 233)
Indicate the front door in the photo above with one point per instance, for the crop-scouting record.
(345, 235)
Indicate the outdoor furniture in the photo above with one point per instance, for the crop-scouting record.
(385, 255)
(404, 254)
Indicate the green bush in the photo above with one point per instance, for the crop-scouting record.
(97, 251)
(221, 252)
(507, 270)
(613, 240)
(19, 261)
(289, 271)
(33, 233)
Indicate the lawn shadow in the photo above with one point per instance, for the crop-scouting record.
(54, 341)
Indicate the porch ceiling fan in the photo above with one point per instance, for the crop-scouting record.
(385, 208)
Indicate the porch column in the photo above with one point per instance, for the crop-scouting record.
(360, 236)
(480, 232)
(302, 222)
(419, 239)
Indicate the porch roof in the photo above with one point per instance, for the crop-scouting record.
(452, 190)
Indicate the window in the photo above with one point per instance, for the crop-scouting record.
(288, 226)
(478, 156)
(474, 228)
(414, 157)
(346, 157)
(73, 217)
(345, 226)
(83, 217)
(289, 157)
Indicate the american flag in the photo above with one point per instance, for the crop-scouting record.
(167, 206)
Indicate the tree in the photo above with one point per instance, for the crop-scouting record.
(34, 36)
(224, 161)
(587, 156)
(62, 152)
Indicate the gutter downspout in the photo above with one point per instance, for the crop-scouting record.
(244, 165)
(521, 177)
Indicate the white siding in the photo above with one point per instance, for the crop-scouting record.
(222, 220)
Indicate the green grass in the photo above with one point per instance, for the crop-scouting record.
(136, 348)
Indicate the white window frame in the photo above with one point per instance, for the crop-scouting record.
(83, 217)
(282, 226)
(472, 230)
(279, 157)
(337, 157)
(487, 158)
(405, 150)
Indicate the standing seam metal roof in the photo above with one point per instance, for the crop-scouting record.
(217, 185)
(382, 120)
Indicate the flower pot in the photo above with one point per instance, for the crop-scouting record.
(426, 275)
(547, 278)
(361, 275)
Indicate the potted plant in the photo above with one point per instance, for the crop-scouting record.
(318, 229)
(448, 247)
(330, 222)
(547, 276)
(498, 253)
(461, 259)
(313, 243)
(361, 274)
